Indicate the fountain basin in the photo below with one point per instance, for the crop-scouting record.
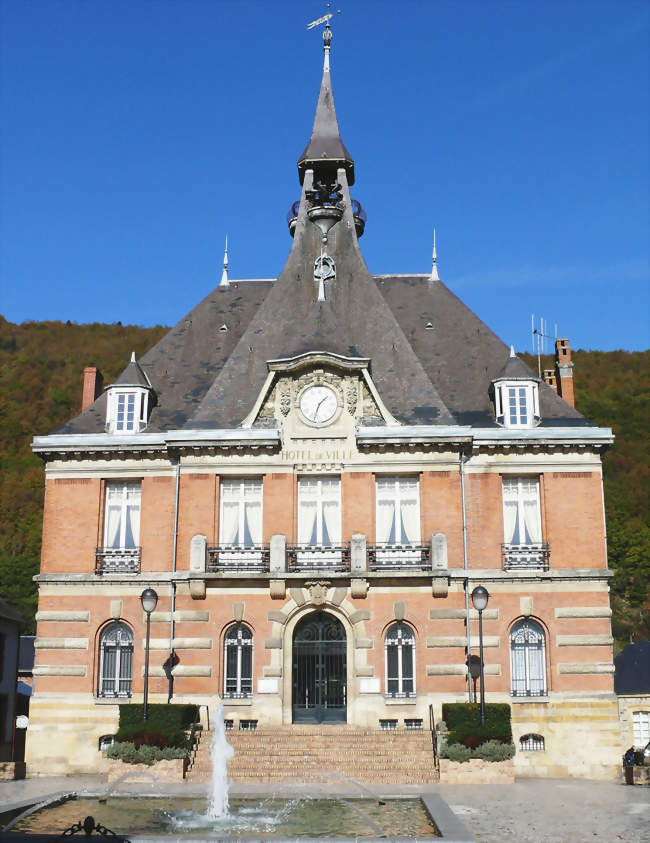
(303, 817)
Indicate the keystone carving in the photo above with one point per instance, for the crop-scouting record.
(318, 591)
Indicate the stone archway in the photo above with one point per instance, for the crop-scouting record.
(319, 670)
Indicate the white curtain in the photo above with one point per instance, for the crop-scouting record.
(132, 517)
(385, 520)
(229, 523)
(410, 522)
(331, 523)
(113, 518)
(307, 522)
(254, 519)
(530, 493)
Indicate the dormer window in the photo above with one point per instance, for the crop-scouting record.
(516, 403)
(129, 401)
(127, 410)
(516, 394)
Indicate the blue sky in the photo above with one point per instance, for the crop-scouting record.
(136, 133)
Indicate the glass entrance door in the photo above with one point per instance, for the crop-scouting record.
(319, 670)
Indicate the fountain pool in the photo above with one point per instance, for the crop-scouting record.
(247, 818)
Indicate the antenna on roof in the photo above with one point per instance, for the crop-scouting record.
(224, 274)
(538, 339)
(434, 267)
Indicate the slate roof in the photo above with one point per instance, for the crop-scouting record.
(208, 370)
(132, 376)
(632, 669)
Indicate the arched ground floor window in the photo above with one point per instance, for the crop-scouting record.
(115, 661)
(238, 661)
(527, 660)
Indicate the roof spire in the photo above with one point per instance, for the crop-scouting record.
(434, 267)
(325, 149)
(133, 357)
(224, 274)
(512, 351)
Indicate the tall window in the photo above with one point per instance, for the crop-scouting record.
(641, 726)
(115, 661)
(522, 523)
(400, 661)
(319, 511)
(241, 513)
(238, 659)
(527, 660)
(398, 510)
(122, 521)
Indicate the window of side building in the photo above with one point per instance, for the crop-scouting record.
(241, 512)
(523, 546)
(528, 659)
(400, 661)
(238, 662)
(120, 551)
(115, 661)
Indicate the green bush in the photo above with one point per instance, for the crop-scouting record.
(151, 734)
(127, 752)
(494, 751)
(173, 716)
(455, 752)
(464, 723)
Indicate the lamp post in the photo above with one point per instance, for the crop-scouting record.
(149, 599)
(480, 597)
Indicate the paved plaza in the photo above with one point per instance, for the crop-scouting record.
(530, 811)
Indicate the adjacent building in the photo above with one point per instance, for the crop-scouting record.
(313, 473)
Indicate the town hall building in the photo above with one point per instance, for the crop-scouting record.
(313, 473)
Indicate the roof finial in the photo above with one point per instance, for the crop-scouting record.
(133, 357)
(434, 267)
(224, 274)
(327, 34)
(512, 351)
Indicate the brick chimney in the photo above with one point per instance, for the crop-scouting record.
(93, 383)
(564, 371)
(549, 378)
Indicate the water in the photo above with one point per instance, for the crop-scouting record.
(246, 819)
(220, 752)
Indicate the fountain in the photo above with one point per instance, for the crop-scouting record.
(220, 752)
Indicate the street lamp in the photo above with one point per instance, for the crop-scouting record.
(149, 599)
(480, 597)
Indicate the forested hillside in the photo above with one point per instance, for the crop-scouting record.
(41, 366)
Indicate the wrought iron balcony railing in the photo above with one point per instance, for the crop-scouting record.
(529, 692)
(306, 557)
(117, 560)
(399, 557)
(525, 556)
(230, 558)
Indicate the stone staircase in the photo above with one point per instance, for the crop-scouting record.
(323, 753)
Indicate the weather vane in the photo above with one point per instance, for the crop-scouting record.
(325, 19)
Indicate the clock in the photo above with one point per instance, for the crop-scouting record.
(318, 404)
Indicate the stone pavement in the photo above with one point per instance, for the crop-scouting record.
(530, 811)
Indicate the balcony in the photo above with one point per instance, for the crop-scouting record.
(117, 560)
(526, 557)
(399, 557)
(327, 558)
(529, 692)
(238, 559)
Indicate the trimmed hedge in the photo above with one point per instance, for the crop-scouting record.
(130, 754)
(464, 723)
(151, 734)
(169, 715)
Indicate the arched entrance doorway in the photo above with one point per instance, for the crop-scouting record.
(319, 670)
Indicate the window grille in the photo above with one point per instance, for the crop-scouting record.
(527, 660)
(387, 725)
(227, 724)
(531, 743)
(238, 659)
(413, 723)
(115, 661)
(400, 661)
(248, 725)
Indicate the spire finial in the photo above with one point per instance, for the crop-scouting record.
(224, 274)
(434, 266)
(133, 357)
(512, 351)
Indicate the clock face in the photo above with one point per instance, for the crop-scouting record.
(318, 404)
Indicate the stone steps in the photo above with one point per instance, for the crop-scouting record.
(323, 753)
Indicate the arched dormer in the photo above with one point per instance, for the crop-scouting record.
(516, 395)
(129, 401)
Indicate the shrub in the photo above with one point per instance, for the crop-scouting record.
(494, 751)
(464, 723)
(455, 752)
(127, 752)
(173, 716)
(151, 734)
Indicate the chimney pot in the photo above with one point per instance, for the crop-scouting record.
(564, 371)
